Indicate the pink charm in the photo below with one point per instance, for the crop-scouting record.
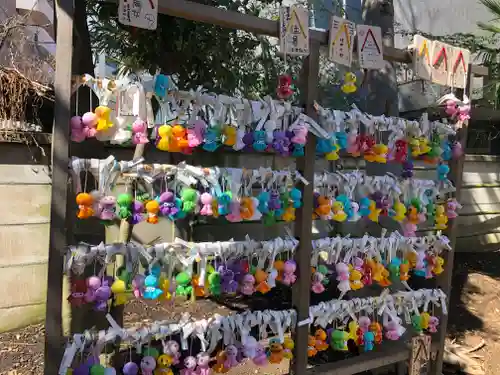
(139, 131)
(352, 144)
(77, 133)
(206, 201)
(300, 136)
(392, 331)
(203, 361)
(148, 364)
(457, 150)
(234, 216)
(317, 283)
(289, 276)
(89, 121)
(450, 108)
(247, 285)
(231, 356)
(357, 264)
(433, 324)
(409, 229)
(464, 112)
(195, 133)
(138, 285)
(93, 283)
(364, 323)
(107, 207)
(172, 349)
(451, 207)
(190, 364)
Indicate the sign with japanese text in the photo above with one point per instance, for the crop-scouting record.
(370, 52)
(138, 13)
(341, 41)
(420, 355)
(294, 31)
(441, 61)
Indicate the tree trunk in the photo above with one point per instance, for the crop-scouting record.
(381, 84)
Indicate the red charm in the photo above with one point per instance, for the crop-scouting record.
(401, 152)
(78, 290)
(285, 89)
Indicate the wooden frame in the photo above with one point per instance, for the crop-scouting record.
(59, 234)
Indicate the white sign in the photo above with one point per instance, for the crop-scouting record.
(440, 62)
(370, 52)
(294, 31)
(138, 13)
(422, 57)
(459, 67)
(341, 41)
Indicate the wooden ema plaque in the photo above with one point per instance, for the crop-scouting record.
(420, 355)
(460, 59)
(441, 62)
(422, 57)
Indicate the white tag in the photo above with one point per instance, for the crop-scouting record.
(304, 322)
(294, 31)
(138, 13)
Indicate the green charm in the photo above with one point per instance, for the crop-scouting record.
(416, 322)
(97, 370)
(151, 352)
(214, 281)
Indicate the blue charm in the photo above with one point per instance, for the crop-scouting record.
(341, 139)
(323, 146)
(442, 172)
(211, 140)
(364, 206)
(263, 198)
(179, 214)
(296, 197)
(447, 153)
(224, 201)
(161, 86)
(151, 290)
(259, 143)
(344, 199)
(298, 150)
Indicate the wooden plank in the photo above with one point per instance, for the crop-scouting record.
(26, 204)
(54, 340)
(24, 174)
(479, 244)
(23, 285)
(480, 209)
(23, 244)
(479, 195)
(21, 316)
(482, 158)
(303, 224)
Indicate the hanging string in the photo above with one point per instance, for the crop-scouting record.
(76, 102)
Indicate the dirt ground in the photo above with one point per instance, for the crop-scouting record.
(474, 316)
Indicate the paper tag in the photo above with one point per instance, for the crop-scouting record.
(341, 41)
(304, 322)
(138, 13)
(407, 316)
(294, 31)
(370, 52)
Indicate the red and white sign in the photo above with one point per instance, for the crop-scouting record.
(370, 53)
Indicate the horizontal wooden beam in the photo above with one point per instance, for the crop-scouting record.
(235, 20)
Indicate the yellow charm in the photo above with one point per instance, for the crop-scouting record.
(119, 288)
(400, 210)
(380, 150)
(288, 346)
(440, 218)
(415, 147)
(164, 136)
(424, 145)
(289, 214)
(355, 280)
(334, 154)
(164, 285)
(338, 211)
(374, 212)
(438, 267)
(424, 320)
(349, 85)
(229, 135)
(103, 114)
(353, 330)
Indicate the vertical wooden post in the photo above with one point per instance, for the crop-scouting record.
(445, 279)
(303, 224)
(54, 341)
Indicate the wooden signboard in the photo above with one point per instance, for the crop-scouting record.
(341, 44)
(420, 355)
(441, 62)
(422, 57)
(460, 59)
(294, 31)
(370, 52)
(138, 13)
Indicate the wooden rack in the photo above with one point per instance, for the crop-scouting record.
(61, 228)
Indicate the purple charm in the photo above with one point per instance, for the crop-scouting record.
(407, 170)
(377, 197)
(137, 210)
(248, 141)
(237, 269)
(274, 202)
(130, 368)
(167, 204)
(316, 200)
(102, 295)
(281, 143)
(229, 285)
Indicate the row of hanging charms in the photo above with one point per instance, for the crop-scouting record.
(247, 267)
(352, 325)
(190, 120)
(229, 193)
(352, 196)
(432, 142)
